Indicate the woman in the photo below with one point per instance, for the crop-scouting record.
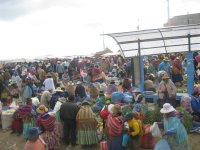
(111, 88)
(26, 113)
(195, 104)
(34, 142)
(49, 133)
(59, 122)
(100, 102)
(134, 130)
(86, 126)
(114, 126)
(166, 91)
(126, 85)
(177, 69)
(45, 98)
(174, 130)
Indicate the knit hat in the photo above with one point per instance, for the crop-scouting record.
(33, 133)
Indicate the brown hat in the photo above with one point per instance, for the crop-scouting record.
(58, 89)
(166, 59)
(165, 76)
(49, 74)
(42, 109)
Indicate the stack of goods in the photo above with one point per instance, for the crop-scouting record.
(7, 118)
(152, 116)
(185, 117)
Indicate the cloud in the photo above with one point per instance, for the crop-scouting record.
(12, 9)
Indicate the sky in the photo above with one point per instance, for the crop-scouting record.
(34, 28)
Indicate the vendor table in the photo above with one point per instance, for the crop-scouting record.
(154, 96)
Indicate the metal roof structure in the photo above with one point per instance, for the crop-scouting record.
(157, 41)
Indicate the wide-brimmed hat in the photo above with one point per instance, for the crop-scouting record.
(167, 108)
(42, 109)
(33, 133)
(136, 91)
(58, 89)
(79, 82)
(11, 82)
(62, 99)
(116, 109)
(48, 75)
(115, 65)
(70, 83)
(101, 92)
(165, 76)
(139, 98)
(166, 59)
(112, 82)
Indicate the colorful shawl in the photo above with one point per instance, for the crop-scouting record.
(114, 125)
(86, 118)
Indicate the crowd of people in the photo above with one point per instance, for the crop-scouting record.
(72, 101)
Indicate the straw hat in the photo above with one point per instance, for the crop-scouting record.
(49, 75)
(166, 59)
(115, 65)
(58, 89)
(136, 91)
(165, 76)
(62, 100)
(42, 109)
(79, 82)
(167, 108)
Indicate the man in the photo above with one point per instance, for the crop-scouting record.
(59, 69)
(68, 112)
(80, 92)
(48, 83)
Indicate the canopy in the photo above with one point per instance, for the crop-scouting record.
(157, 41)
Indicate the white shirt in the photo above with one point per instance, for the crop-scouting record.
(49, 84)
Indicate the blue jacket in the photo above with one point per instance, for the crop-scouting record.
(195, 104)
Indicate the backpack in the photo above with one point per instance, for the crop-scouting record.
(141, 125)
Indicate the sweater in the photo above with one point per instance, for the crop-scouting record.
(134, 128)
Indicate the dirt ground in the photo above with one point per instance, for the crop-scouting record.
(13, 142)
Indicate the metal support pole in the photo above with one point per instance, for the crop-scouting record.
(168, 10)
(132, 72)
(189, 43)
(141, 63)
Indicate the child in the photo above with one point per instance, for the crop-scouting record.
(34, 142)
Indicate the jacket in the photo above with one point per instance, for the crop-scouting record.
(68, 110)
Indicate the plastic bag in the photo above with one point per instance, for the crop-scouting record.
(155, 131)
(162, 145)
